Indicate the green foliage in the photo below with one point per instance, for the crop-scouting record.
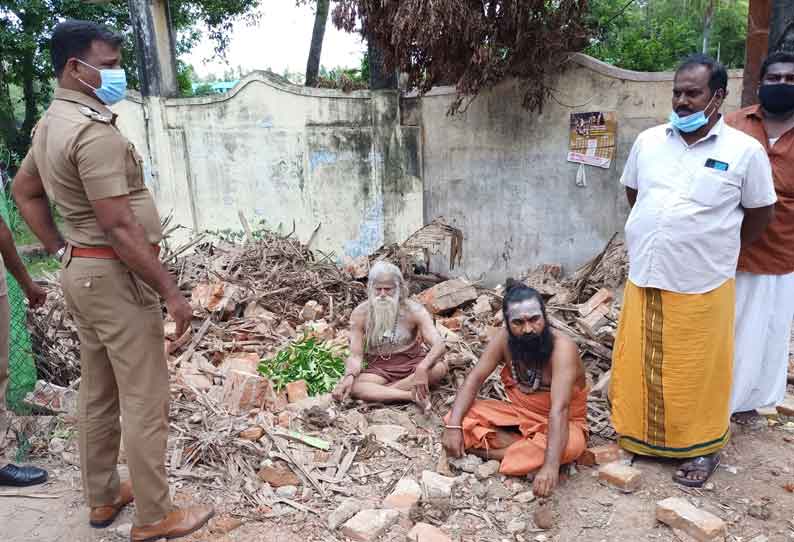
(656, 35)
(316, 362)
(345, 79)
(258, 231)
(26, 27)
(38, 266)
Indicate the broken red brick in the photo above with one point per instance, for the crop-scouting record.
(224, 524)
(448, 295)
(246, 362)
(424, 532)
(787, 407)
(297, 391)
(244, 391)
(679, 514)
(601, 297)
(621, 476)
(601, 455)
(404, 497)
(252, 433)
(279, 475)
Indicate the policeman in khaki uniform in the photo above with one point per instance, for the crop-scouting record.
(112, 280)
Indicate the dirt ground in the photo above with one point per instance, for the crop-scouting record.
(747, 492)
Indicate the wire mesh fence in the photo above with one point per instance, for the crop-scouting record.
(31, 398)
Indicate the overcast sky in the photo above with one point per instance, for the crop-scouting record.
(280, 40)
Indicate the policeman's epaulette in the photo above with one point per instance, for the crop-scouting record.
(93, 115)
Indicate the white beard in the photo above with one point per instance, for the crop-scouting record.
(383, 317)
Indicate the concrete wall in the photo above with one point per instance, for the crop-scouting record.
(500, 174)
(283, 154)
(371, 168)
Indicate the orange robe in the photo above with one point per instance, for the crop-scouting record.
(530, 414)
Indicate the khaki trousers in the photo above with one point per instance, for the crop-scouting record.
(123, 372)
(5, 329)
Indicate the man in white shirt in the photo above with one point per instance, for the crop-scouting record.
(699, 190)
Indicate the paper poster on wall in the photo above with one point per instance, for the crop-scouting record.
(592, 140)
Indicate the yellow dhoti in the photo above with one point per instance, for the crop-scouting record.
(671, 371)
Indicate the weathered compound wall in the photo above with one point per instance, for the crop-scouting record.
(371, 167)
(282, 155)
(500, 174)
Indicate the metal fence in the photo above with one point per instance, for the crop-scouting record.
(21, 364)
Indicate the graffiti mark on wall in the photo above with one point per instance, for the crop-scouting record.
(370, 232)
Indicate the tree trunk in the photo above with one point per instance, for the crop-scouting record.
(379, 77)
(8, 124)
(316, 48)
(781, 26)
(708, 21)
(756, 48)
(29, 93)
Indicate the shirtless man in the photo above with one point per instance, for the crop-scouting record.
(544, 425)
(389, 330)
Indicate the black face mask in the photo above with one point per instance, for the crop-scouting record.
(777, 99)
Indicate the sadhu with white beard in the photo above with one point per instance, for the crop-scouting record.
(391, 332)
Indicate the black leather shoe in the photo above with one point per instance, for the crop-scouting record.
(11, 475)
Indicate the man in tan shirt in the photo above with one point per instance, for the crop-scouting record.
(112, 280)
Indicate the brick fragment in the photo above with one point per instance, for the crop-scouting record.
(297, 391)
(679, 514)
(246, 362)
(601, 297)
(424, 532)
(278, 475)
(369, 525)
(349, 508)
(244, 391)
(621, 476)
(448, 295)
(252, 433)
(405, 496)
(787, 407)
(601, 455)
(436, 486)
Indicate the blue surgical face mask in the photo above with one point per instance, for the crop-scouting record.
(114, 84)
(693, 122)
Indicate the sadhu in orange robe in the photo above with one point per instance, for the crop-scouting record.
(529, 413)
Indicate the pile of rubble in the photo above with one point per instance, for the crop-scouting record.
(251, 299)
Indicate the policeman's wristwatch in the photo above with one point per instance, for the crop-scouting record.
(60, 252)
